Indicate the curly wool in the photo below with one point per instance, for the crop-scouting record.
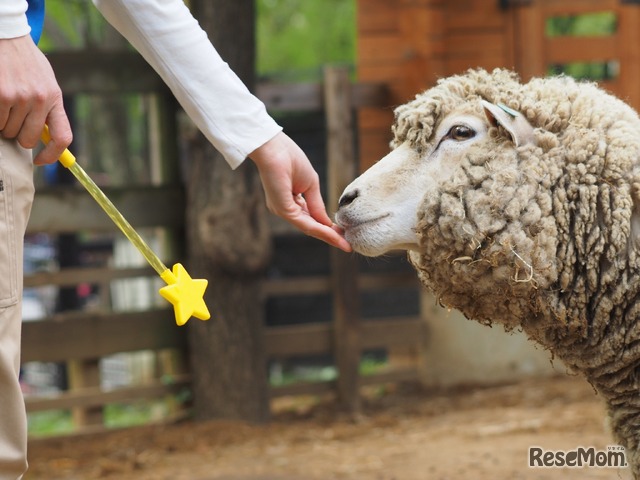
(543, 237)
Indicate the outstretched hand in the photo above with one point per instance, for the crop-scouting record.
(29, 98)
(292, 190)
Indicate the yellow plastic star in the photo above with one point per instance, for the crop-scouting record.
(185, 293)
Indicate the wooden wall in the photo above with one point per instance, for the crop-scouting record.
(409, 44)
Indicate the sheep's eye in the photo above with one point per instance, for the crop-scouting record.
(461, 133)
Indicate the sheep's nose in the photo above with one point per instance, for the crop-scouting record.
(348, 197)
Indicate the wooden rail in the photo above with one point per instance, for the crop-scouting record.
(83, 337)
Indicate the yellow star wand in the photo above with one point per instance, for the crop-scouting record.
(186, 294)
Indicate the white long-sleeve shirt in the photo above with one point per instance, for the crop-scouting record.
(171, 40)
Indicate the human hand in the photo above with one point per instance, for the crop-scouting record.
(29, 98)
(292, 189)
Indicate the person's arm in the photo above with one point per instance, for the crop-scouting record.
(234, 121)
(171, 40)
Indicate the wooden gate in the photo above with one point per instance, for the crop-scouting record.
(600, 38)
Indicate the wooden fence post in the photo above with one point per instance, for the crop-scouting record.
(342, 169)
(85, 374)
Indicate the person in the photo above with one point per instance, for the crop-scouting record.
(232, 119)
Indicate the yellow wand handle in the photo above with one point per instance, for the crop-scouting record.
(182, 291)
(69, 161)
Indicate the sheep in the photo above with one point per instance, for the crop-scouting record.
(519, 204)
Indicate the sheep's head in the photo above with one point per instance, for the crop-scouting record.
(379, 210)
(464, 193)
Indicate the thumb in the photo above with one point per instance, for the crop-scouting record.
(61, 136)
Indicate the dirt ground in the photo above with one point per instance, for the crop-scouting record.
(405, 434)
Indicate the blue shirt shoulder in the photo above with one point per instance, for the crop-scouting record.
(35, 17)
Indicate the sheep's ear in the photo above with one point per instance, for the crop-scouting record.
(519, 128)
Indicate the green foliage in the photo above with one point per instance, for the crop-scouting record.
(295, 38)
(52, 422)
(71, 24)
(591, 25)
(60, 422)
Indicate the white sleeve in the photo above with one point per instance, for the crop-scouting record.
(13, 20)
(171, 40)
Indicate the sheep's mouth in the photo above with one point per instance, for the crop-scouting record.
(350, 224)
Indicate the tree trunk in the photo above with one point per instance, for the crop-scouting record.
(229, 244)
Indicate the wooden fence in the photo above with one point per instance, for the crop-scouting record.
(82, 338)
(408, 45)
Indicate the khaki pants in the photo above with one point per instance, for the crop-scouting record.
(16, 197)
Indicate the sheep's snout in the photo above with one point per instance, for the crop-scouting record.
(378, 210)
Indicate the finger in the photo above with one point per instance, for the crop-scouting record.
(49, 154)
(4, 115)
(61, 137)
(322, 232)
(31, 130)
(330, 236)
(15, 119)
(316, 206)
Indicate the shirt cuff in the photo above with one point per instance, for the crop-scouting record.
(13, 19)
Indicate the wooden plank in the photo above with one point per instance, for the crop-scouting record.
(529, 41)
(489, 61)
(629, 47)
(369, 95)
(296, 286)
(85, 374)
(318, 388)
(423, 29)
(83, 432)
(375, 16)
(509, 39)
(374, 145)
(392, 376)
(73, 276)
(322, 284)
(390, 74)
(381, 48)
(616, 88)
(477, 45)
(291, 340)
(86, 71)
(290, 97)
(580, 49)
(389, 280)
(423, 33)
(393, 332)
(96, 397)
(577, 7)
(318, 338)
(385, 73)
(303, 388)
(310, 96)
(474, 15)
(376, 118)
(323, 388)
(88, 335)
(342, 168)
(62, 210)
